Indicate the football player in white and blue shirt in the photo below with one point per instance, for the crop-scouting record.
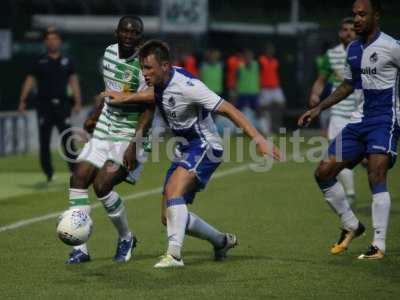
(373, 63)
(185, 104)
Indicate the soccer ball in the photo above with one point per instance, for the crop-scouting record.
(74, 227)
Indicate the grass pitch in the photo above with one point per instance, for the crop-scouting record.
(284, 228)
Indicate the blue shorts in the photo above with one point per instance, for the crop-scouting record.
(203, 161)
(358, 140)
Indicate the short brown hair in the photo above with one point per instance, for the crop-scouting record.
(347, 20)
(50, 30)
(158, 48)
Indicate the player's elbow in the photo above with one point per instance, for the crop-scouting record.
(226, 109)
(144, 98)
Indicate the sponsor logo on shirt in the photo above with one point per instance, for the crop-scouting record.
(107, 67)
(369, 71)
(112, 85)
(171, 114)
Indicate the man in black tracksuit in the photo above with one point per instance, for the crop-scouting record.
(52, 73)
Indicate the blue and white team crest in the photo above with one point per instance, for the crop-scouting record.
(171, 101)
(374, 57)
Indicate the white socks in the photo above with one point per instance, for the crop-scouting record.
(346, 178)
(180, 220)
(197, 227)
(380, 218)
(79, 198)
(177, 216)
(116, 212)
(336, 198)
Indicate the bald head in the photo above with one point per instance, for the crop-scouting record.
(366, 16)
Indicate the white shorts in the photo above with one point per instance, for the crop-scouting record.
(336, 125)
(97, 152)
(269, 96)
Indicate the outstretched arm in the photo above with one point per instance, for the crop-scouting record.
(237, 117)
(342, 92)
(143, 97)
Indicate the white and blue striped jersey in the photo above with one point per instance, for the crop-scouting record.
(374, 68)
(185, 105)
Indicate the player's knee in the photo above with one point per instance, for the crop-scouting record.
(170, 191)
(78, 180)
(324, 177)
(377, 177)
(321, 174)
(101, 188)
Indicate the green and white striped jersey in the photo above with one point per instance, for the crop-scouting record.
(118, 122)
(337, 61)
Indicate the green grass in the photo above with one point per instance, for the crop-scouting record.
(284, 227)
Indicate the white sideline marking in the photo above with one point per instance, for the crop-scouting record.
(146, 193)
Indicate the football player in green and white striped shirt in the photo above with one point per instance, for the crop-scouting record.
(331, 72)
(104, 161)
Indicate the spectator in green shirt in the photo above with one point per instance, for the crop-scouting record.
(211, 71)
(248, 85)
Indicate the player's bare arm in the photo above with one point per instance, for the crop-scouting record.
(237, 117)
(29, 83)
(342, 92)
(76, 91)
(143, 97)
(316, 91)
(141, 131)
(90, 122)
